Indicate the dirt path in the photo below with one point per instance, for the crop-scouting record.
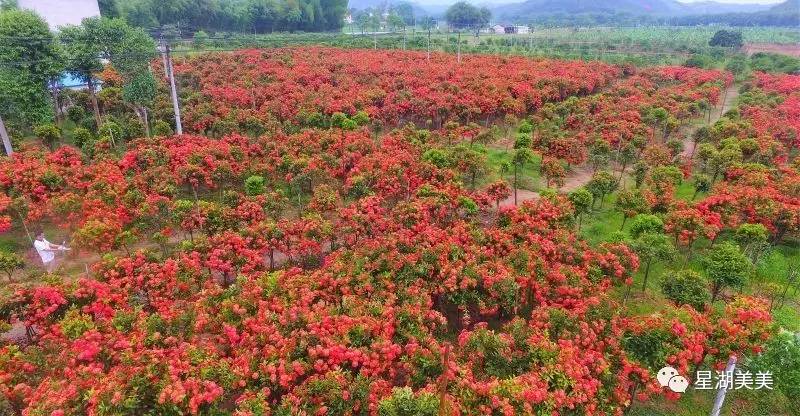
(725, 103)
(522, 196)
(577, 177)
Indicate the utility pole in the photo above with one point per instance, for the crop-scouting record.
(721, 392)
(429, 42)
(6, 139)
(458, 47)
(171, 74)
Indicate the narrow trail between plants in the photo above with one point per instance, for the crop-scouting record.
(581, 175)
(725, 103)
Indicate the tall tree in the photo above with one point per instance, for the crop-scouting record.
(726, 266)
(140, 91)
(29, 59)
(463, 15)
(128, 49)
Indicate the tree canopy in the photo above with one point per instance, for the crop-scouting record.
(231, 15)
(463, 15)
(28, 61)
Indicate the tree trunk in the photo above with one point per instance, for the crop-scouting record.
(146, 122)
(93, 96)
(646, 275)
(515, 185)
(715, 292)
(56, 106)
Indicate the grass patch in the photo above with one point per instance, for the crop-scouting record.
(528, 178)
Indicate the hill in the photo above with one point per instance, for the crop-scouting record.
(789, 6)
(609, 11)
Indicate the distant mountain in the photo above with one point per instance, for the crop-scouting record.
(786, 14)
(789, 6)
(713, 7)
(657, 8)
(419, 10)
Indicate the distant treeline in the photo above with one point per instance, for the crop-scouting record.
(260, 16)
(788, 19)
(775, 19)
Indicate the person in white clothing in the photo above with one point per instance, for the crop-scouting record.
(47, 251)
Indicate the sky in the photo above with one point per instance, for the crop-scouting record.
(738, 1)
(517, 1)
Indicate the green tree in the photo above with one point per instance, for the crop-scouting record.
(781, 357)
(685, 287)
(520, 159)
(646, 223)
(463, 15)
(599, 154)
(405, 11)
(726, 266)
(49, 133)
(702, 183)
(581, 202)
(653, 248)
(640, 173)
(9, 263)
(630, 203)
(753, 239)
(471, 161)
(602, 184)
(200, 39)
(128, 49)
(29, 60)
(140, 91)
(655, 117)
(626, 155)
(726, 39)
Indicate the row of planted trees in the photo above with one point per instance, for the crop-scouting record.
(36, 62)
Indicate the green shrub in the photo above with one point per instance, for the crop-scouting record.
(81, 136)
(49, 133)
(162, 128)
(685, 287)
(436, 157)
(254, 185)
(10, 262)
(74, 324)
(111, 129)
(361, 118)
(76, 113)
(646, 224)
(338, 119)
(403, 402)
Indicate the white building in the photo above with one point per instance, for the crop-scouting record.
(62, 12)
(498, 29)
(522, 30)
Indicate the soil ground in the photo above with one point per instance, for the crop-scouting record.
(785, 49)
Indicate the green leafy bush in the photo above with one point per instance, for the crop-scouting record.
(686, 287)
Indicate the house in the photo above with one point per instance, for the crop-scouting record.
(62, 12)
(497, 29)
(517, 29)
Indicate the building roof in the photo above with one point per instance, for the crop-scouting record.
(62, 12)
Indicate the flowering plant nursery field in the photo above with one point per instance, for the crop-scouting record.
(336, 235)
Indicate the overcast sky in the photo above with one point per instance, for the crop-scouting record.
(739, 1)
(519, 1)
